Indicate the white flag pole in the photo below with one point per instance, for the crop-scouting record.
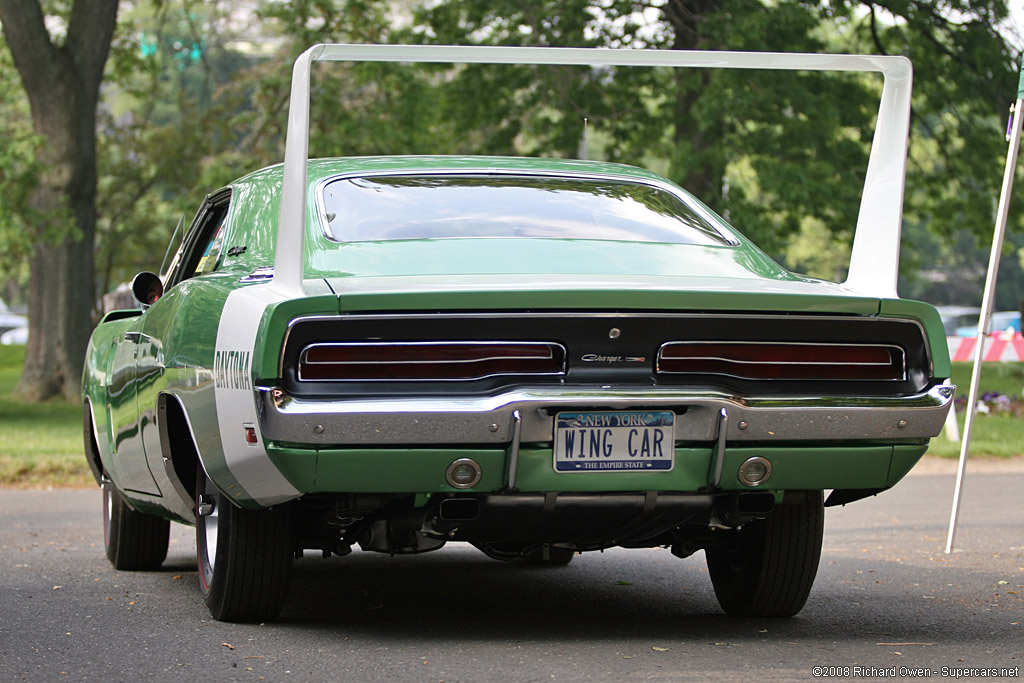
(1017, 114)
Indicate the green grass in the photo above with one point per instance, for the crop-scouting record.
(41, 443)
(993, 435)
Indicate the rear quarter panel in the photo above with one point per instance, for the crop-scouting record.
(96, 374)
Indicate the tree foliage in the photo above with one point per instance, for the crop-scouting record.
(770, 150)
(162, 126)
(767, 149)
(19, 174)
(964, 82)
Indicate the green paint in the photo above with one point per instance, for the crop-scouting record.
(536, 473)
(391, 470)
(519, 256)
(561, 297)
(396, 470)
(903, 460)
(298, 465)
(814, 467)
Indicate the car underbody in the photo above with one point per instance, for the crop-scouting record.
(525, 523)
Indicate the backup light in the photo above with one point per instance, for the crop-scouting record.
(754, 471)
(463, 473)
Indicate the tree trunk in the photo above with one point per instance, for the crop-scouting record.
(694, 165)
(62, 84)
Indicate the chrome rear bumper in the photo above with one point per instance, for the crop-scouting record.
(492, 419)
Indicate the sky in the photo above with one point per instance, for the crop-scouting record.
(1017, 18)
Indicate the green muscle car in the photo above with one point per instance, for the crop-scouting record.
(539, 357)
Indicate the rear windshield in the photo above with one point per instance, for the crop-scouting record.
(452, 206)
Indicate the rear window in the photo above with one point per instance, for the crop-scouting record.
(452, 206)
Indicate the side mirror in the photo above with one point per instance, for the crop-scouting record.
(147, 288)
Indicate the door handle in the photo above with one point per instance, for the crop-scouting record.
(133, 337)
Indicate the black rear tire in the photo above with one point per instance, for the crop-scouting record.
(767, 568)
(135, 541)
(244, 556)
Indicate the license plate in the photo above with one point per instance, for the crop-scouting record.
(614, 441)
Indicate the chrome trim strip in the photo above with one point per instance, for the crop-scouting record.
(260, 274)
(472, 419)
(733, 342)
(723, 429)
(513, 455)
(440, 342)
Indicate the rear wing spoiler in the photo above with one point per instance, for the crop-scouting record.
(874, 261)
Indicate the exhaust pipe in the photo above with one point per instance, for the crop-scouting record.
(459, 509)
(737, 510)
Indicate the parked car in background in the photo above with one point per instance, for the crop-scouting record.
(10, 320)
(17, 336)
(956, 317)
(999, 321)
(540, 357)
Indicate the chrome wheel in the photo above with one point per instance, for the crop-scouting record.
(108, 509)
(207, 525)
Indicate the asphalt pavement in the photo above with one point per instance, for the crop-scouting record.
(888, 603)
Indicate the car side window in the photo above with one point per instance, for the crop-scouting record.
(201, 251)
(211, 254)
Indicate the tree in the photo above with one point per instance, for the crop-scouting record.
(965, 77)
(159, 124)
(754, 146)
(19, 172)
(62, 82)
(770, 150)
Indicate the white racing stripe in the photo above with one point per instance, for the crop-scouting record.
(236, 403)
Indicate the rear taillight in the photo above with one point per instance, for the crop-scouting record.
(784, 360)
(370, 361)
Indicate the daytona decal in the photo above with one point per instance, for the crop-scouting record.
(232, 369)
